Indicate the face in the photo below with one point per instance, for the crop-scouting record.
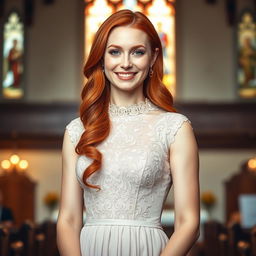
(128, 58)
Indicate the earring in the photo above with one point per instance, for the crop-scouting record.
(103, 69)
(151, 71)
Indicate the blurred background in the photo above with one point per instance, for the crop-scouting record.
(210, 68)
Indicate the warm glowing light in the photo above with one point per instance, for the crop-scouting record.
(23, 164)
(159, 7)
(252, 164)
(162, 15)
(95, 14)
(14, 159)
(131, 5)
(135, 8)
(6, 164)
(100, 7)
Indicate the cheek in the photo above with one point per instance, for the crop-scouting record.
(142, 63)
(109, 62)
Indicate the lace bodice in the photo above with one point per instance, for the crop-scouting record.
(135, 177)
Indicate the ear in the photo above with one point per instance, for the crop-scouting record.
(154, 56)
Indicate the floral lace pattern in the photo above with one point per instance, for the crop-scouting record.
(134, 109)
(135, 176)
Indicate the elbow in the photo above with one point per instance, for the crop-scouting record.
(197, 233)
(192, 226)
(59, 227)
(196, 229)
(68, 222)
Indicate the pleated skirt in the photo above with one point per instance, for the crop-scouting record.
(115, 239)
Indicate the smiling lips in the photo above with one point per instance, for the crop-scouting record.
(125, 75)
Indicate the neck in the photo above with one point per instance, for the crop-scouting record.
(125, 99)
(132, 110)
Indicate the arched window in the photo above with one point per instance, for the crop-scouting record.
(160, 12)
(246, 35)
(12, 57)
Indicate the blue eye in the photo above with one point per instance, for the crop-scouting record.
(139, 52)
(114, 52)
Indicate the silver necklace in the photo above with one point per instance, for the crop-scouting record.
(132, 110)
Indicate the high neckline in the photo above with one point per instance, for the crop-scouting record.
(132, 110)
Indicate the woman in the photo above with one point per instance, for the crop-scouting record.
(126, 150)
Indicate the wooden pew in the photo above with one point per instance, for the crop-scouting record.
(243, 248)
(212, 230)
(222, 245)
(28, 240)
(235, 234)
(40, 245)
(253, 241)
(228, 240)
(4, 241)
(26, 234)
(235, 241)
(16, 249)
(32, 238)
(48, 228)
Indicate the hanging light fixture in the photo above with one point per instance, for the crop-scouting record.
(14, 163)
(252, 164)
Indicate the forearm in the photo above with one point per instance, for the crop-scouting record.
(68, 241)
(181, 240)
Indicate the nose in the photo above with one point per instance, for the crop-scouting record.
(126, 62)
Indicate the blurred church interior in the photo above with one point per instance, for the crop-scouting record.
(210, 68)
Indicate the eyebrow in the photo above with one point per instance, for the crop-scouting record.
(119, 47)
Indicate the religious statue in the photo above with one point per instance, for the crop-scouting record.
(14, 61)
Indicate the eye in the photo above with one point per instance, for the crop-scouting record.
(139, 52)
(114, 52)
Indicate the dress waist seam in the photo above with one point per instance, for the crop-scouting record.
(123, 222)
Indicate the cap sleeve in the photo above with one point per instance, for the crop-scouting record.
(75, 129)
(174, 122)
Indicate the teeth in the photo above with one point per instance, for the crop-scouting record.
(125, 75)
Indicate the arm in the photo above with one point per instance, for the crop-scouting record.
(185, 174)
(70, 217)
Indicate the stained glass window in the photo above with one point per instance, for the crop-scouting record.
(247, 56)
(160, 12)
(13, 49)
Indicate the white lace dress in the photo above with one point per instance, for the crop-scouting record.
(123, 218)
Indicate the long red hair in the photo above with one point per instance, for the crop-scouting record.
(96, 92)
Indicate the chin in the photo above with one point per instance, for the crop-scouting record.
(127, 87)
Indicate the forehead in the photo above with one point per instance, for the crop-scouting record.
(127, 36)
